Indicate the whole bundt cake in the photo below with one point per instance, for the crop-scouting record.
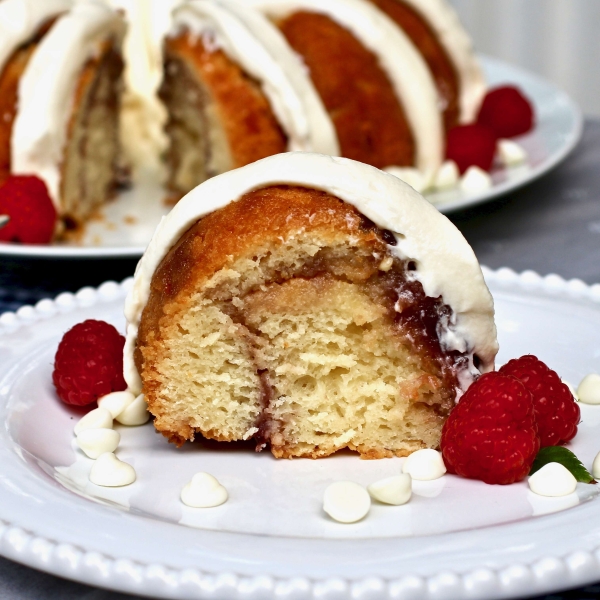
(377, 81)
(312, 304)
(230, 82)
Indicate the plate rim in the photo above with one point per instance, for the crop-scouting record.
(109, 252)
(64, 559)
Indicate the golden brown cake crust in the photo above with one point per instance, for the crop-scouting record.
(193, 282)
(224, 235)
(367, 115)
(246, 116)
(425, 39)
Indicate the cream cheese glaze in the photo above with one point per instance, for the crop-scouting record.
(21, 19)
(40, 129)
(322, 134)
(251, 41)
(445, 23)
(143, 115)
(446, 264)
(398, 57)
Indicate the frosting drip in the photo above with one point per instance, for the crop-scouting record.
(250, 40)
(457, 43)
(21, 19)
(397, 56)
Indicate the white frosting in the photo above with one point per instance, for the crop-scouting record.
(251, 41)
(21, 19)
(553, 480)
(424, 465)
(588, 390)
(95, 442)
(322, 136)
(398, 57)
(456, 41)
(40, 128)
(394, 490)
(409, 175)
(143, 115)
(203, 491)
(445, 263)
(346, 501)
(99, 418)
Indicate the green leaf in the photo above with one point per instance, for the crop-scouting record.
(566, 458)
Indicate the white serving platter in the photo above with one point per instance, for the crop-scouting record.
(456, 538)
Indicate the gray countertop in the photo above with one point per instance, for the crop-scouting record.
(550, 226)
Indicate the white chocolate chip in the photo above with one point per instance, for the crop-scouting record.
(116, 402)
(203, 491)
(552, 480)
(596, 467)
(409, 175)
(447, 176)
(424, 465)
(95, 442)
(99, 418)
(511, 153)
(136, 413)
(394, 490)
(109, 471)
(475, 180)
(588, 391)
(346, 501)
(386, 264)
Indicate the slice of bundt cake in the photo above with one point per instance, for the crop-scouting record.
(61, 83)
(310, 303)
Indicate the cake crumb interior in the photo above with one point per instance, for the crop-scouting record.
(298, 344)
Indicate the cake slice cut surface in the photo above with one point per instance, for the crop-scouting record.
(289, 313)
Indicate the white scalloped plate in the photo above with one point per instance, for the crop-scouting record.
(454, 539)
(126, 225)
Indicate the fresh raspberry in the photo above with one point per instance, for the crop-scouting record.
(506, 111)
(491, 434)
(556, 412)
(471, 145)
(25, 199)
(89, 363)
